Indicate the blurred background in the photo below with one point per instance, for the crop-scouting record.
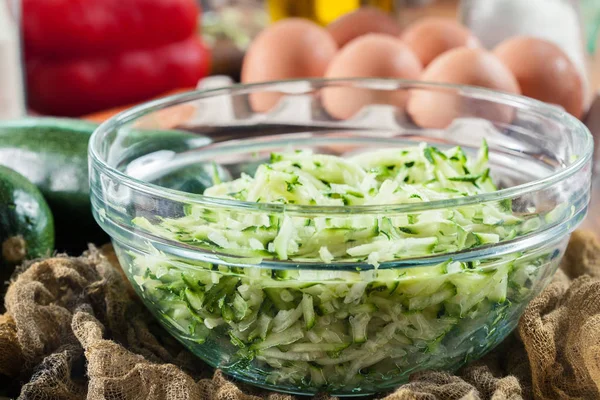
(76, 58)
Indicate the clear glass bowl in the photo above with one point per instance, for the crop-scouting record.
(345, 327)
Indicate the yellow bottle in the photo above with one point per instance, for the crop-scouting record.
(322, 11)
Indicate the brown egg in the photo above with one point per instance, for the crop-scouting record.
(373, 55)
(364, 20)
(544, 72)
(464, 66)
(291, 48)
(429, 37)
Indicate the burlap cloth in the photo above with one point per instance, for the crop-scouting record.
(74, 330)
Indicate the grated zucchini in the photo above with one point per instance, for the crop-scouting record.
(336, 328)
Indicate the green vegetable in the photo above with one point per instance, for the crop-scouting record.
(26, 223)
(338, 329)
(53, 154)
(367, 179)
(193, 179)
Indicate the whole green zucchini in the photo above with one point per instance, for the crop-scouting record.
(26, 222)
(53, 154)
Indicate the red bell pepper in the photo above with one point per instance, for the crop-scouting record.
(75, 28)
(80, 86)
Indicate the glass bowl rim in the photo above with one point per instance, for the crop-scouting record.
(548, 111)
